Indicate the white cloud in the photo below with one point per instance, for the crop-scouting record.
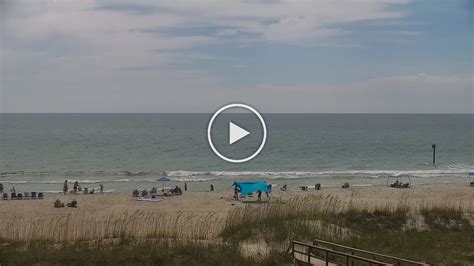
(279, 20)
(109, 34)
(57, 54)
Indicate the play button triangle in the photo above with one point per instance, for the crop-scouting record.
(236, 133)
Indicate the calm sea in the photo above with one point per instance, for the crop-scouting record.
(126, 151)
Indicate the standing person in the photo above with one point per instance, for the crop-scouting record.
(212, 187)
(1, 188)
(185, 186)
(259, 195)
(76, 186)
(236, 193)
(65, 187)
(101, 188)
(13, 190)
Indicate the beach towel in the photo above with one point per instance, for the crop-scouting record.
(149, 199)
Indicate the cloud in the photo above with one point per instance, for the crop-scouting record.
(117, 33)
(270, 20)
(281, 21)
(124, 56)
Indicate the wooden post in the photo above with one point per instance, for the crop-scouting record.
(434, 153)
(309, 255)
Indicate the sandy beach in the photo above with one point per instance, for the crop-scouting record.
(194, 214)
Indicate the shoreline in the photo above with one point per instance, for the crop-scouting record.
(220, 202)
(220, 185)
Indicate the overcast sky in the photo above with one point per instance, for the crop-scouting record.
(346, 56)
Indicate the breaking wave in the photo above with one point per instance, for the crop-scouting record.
(150, 176)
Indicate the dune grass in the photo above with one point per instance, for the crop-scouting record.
(83, 226)
(433, 233)
(127, 253)
(437, 235)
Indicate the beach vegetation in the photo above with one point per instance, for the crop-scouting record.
(436, 234)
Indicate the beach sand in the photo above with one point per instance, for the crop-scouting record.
(197, 215)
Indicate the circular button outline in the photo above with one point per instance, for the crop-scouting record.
(238, 105)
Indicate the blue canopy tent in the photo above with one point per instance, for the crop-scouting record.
(247, 187)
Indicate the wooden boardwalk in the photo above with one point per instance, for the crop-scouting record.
(330, 254)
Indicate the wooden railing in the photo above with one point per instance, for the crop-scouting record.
(367, 254)
(312, 254)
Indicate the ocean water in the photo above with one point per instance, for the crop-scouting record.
(126, 151)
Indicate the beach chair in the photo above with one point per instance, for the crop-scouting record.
(13, 195)
(135, 193)
(40, 195)
(5, 196)
(19, 196)
(33, 195)
(27, 195)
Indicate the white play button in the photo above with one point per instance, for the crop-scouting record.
(236, 133)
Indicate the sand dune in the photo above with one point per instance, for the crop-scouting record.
(197, 215)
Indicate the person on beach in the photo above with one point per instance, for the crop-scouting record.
(317, 186)
(136, 193)
(13, 190)
(101, 188)
(58, 204)
(1, 188)
(72, 204)
(65, 187)
(259, 195)
(269, 186)
(212, 187)
(236, 193)
(185, 186)
(75, 187)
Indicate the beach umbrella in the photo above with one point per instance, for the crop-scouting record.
(163, 179)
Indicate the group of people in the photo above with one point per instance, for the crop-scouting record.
(12, 190)
(59, 204)
(153, 192)
(259, 192)
(78, 188)
(399, 184)
(317, 186)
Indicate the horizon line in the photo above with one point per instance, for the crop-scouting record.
(341, 113)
